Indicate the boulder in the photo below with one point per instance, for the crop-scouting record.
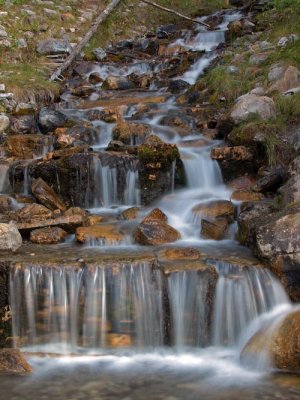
(130, 133)
(280, 236)
(10, 238)
(215, 209)
(50, 119)
(271, 182)
(53, 46)
(98, 233)
(48, 235)
(235, 153)
(33, 212)
(283, 78)
(12, 361)
(46, 195)
(280, 343)
(214, 229)
(23, 124)
(154, 230)
(4, 123)
(250, 104)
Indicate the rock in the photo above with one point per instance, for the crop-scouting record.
(130, 133)
(7, 203)
(27, 147)
(53, 46)
(154, 230)
(258, 59)
(178, 86)
(279, 236)
(24, 109)
(246, 195)
(23, 124)
(67, 222)
(3, 34)
(250, 104)
(4, 123)
(82, 91)
(93, 220)
(98, 233)
(283, 78)
(50, 119)
(100, 54)
(48, 235)
(95, 78)
(10, 238)
(279, 342)
(175, 254)
(117, 83)
(214, 229)
(83, 133)
(12, 361)
(119, 340)
(242, 182)
(33, 212)
(130, 213)
(235, 153)
(46, 195)
(215, 209)
(76, 211)
(271, 182)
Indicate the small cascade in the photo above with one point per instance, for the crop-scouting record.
(74, 309)
(113, 185)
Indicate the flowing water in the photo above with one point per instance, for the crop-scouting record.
(131, 330)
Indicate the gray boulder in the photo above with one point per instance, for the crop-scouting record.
(10, 238)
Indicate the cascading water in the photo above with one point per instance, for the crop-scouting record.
(74, 309)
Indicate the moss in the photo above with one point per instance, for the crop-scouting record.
(164, 154)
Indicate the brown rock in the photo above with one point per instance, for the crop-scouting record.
(66, 222)
(12, 361)
(93, 220)
(27, 146)
(46, 195)
(284, 78)
(215, 209)
(236, 153)
(130, 133)
(154, 230)
(246, 195)
(281, 342)
(119, 340)
(185, 253)
(108, 233)
(76, 211)
(48, 235)
(214, 229)
(130, 213)
(33, 212)
(242, 182)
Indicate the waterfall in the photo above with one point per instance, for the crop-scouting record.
(71, 309)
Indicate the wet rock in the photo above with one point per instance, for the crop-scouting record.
(82, 91)
(76, 211)
(175, 254)
(154, 230)
(83, 133)
(100, 54)
(250, 104)
(10, 238)
(280, 343)
(4, 123)
(95, 78)
(144, 45)
(242, 182)
(284, 78)
(271, 182)
(27, 147)
(12, 361)
(24, 124)
(117, 83)
(178, 86)
(46, 195)
(214, 229)
(215, 209)
(7, 203)
(246, 195)
(98, 233)
(119, 340)
(130, 133)
(130, 213)
(67, 222)
(93, 220)
(53, 46)
(48, 235)
(108, 115)
(50, 119)
(33, 212)
(178, 120)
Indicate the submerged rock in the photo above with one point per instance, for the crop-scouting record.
(10, 238)
(215, 209)
(214, 229)
(12, 361)
(154, 230)
(98, 233)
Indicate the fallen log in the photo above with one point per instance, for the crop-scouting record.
(151, 3)
(58, 74)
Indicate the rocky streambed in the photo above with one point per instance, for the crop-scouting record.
(121, 206)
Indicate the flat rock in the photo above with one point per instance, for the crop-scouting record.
(12, 361)
(48, 235)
